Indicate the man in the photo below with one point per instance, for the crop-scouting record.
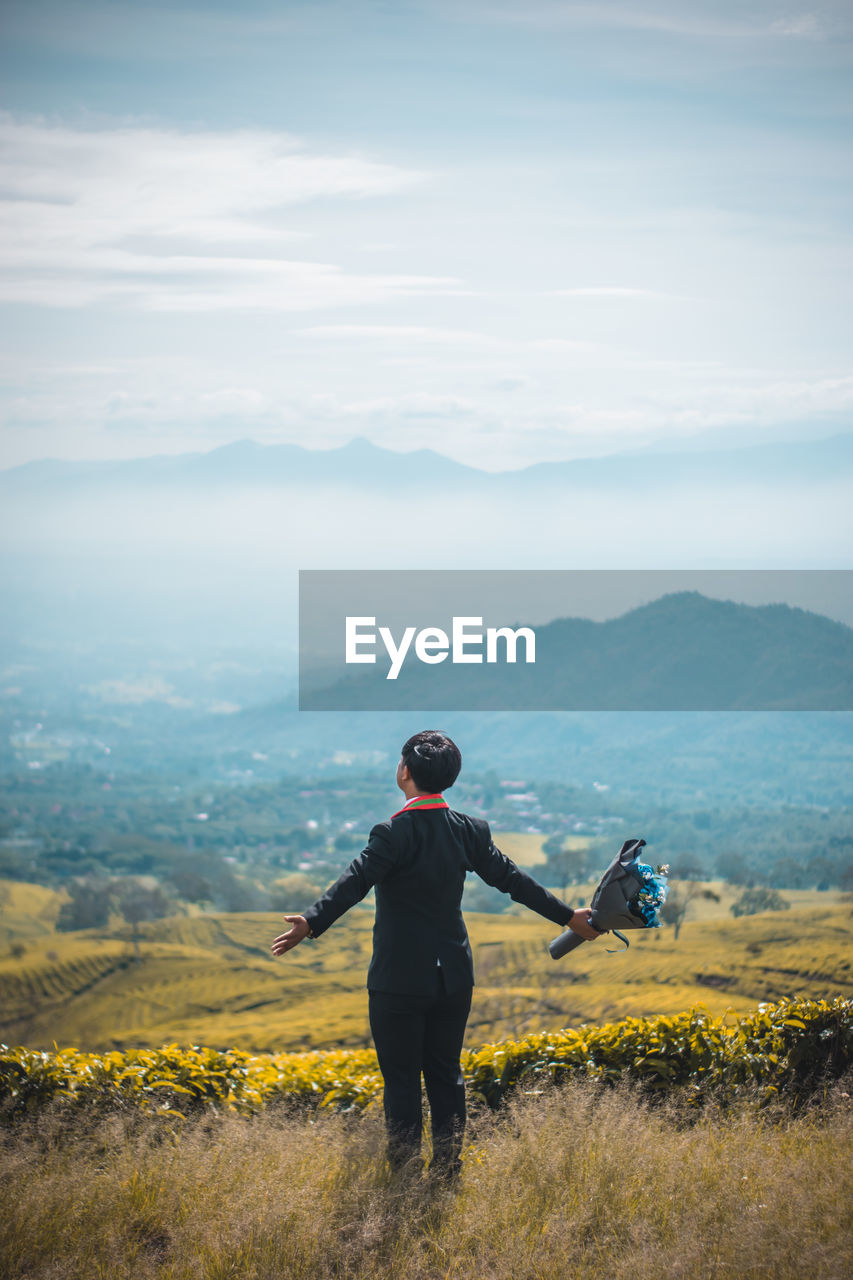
(421, 975)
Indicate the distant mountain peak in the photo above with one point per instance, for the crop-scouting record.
(244, 445)
(359, 444)
(361, 464)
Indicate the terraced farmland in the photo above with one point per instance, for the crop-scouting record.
(210, 979)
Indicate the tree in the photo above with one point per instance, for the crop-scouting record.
(789, 873)
(139, 903)
(89, 907)
(348, 841)
(679, 899)
(751, 901)
(190, 884)
(12, 866)
(565, 866)
(733, 867)
(821, 871)
(688, 867)
(479, 896)
(293, 891)
(231, 893)
(553, 845)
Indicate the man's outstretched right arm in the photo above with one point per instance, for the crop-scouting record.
(371, 866)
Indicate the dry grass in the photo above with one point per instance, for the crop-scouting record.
(553, 1186)
(523, 847)
(27, 911)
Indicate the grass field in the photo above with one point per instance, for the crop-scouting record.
(523, 848)
(210, 979)
(27, 911)
(558, 1185)
(526, 849)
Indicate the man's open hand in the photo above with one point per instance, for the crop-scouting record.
(580, 925)
(300, 929)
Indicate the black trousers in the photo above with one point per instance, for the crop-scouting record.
(414, 1035)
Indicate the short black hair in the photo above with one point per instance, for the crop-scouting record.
(432, 759)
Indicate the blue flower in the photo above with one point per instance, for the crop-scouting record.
(648, 900)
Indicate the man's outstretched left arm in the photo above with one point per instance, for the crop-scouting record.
(501, 872)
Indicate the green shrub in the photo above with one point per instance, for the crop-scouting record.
(787, 1048)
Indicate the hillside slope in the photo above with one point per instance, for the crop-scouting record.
(211, 980)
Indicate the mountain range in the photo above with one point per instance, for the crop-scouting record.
(191, 547)
(365, 466)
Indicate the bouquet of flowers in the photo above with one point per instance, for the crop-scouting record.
(630, 895)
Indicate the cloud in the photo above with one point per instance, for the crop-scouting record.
(783, 397)
(806, 26)
(615, 291)
(512, 382)
(404, 333)
(416, 404)
(236, 400)
(708, 20)
(172, 220)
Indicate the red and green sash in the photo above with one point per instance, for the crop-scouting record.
(423, 802)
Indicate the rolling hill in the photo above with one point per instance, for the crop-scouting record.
(210, 979)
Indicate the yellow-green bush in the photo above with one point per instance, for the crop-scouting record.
(787, 1047)
(178, 1080)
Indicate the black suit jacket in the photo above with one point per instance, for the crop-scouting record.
(418, 861)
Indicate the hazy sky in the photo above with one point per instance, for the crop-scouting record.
(511, 231)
